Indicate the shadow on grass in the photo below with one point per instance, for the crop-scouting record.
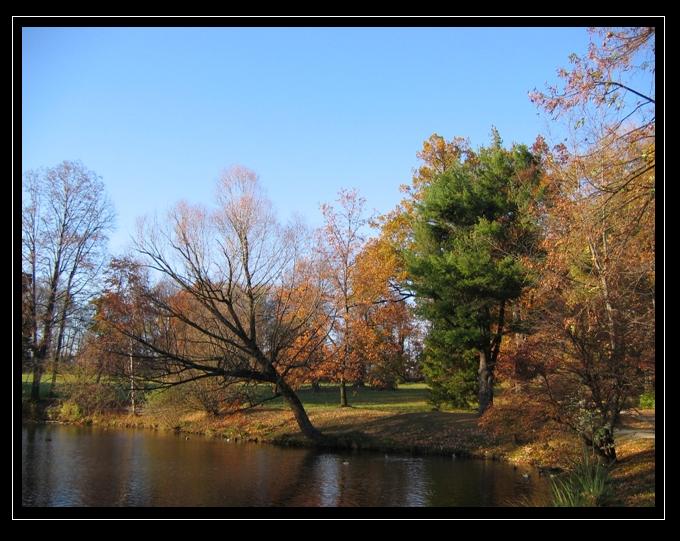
(421, 433)
(633, 476)
(406, 397)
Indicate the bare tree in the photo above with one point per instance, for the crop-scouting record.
(343, 243)
(65, 220)
(239, 300)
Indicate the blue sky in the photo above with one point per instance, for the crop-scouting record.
(159, 113)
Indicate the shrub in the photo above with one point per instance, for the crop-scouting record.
(70, 411)
(519, 418)
(457, 389)
(169, 405)
(452, 377)
(647, 400)
(212, 395)
(91, 398)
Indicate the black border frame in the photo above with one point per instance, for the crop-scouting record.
(21, 512)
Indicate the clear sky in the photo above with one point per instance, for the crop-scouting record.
(159, 113)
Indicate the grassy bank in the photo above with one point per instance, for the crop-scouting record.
(401, 421)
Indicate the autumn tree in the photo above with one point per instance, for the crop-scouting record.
(342, 242)
(230, 304)
(593, 310)
(385, 335)
(66, 217)
(592, 314)
(475, 228)
(607, 86)
(310, 357)
(398, 225)
(397, 230)
(121, 305)
(606, 100)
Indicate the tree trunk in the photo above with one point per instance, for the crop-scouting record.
(132, 386)
(600, 265)
(306, 426)
(60, 333)
(343, 394)
(40, 356)
(57, 353)
(485, 381)
(343, 390)
(37, 376)
(53, 381)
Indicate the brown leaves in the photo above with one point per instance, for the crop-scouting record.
(598, 77)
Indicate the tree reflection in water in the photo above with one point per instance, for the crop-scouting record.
(84, 466)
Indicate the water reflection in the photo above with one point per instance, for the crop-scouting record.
(76, 466)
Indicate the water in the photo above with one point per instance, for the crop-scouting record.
(85, 466)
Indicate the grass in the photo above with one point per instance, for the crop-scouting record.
(45, 383)
(400, 419)
(61, 378)
(633, 476)
(588, 484)
(408, 397)
(61, 384)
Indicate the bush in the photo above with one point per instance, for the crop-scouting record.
(519, 418)
(70, 411)
(455, 387)
(212, 395)
(383, 381)
(587, 485)
(451, 376)
(647, 400)
(91, 398)
(169, 405)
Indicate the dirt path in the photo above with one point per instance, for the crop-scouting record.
(636, 425)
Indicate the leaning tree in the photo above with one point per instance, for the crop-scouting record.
(238, 296)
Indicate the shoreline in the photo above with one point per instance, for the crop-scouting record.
(345, 438)
(416, 433)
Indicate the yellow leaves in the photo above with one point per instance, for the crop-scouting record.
(375, 266)
(438, 155)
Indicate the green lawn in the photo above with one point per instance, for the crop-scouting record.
(27, 381)
(62, 382)
(409, 397)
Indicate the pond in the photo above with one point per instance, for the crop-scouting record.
(86, 466)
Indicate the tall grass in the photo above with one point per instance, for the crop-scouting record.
(587, 485)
